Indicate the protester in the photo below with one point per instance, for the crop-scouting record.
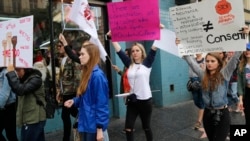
(196, 91)
(76, 58)
(7, 108)
(68, 83)
(93, 103)
(124, 84)
(31, 116)
(140, 101)
(244, 84)
(215, 78)
(233, 98)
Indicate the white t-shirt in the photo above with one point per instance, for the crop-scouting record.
(138, 77)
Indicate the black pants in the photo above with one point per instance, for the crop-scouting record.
(66, 112)
(8, 122)
(143, 108)
(216, 131)
(246, 104)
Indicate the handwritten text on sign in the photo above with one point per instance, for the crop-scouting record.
(17, 42)
(134, 20)
(218, 30)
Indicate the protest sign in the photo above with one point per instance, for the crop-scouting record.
(134, 20)
(167, 42)
(17, 42)
(209, 26)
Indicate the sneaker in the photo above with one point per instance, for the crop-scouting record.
(197, 125)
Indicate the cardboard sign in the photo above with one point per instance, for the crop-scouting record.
(17, 42)
(134, 20)
(209, 26)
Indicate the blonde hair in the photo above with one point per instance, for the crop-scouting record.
(210, 81)
(141, 47)
(94, 59)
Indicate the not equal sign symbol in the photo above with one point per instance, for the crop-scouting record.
(208, 26)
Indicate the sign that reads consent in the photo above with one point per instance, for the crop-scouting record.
(209, 26)
(134, 20)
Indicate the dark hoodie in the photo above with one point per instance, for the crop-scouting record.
(19, 86)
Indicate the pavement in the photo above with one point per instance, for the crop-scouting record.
(172, 123)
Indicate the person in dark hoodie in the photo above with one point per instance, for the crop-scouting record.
(31, 116)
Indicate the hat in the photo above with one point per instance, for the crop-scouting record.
(248, 46)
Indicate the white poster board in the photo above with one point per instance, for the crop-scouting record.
(209, 26)
(167, 42)
(17, 42)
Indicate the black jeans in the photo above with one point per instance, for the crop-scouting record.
(143, 108)
(8, 122)
(246, 105)
(66, 112)
(219, 131)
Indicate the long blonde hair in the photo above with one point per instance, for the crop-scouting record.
(141, 47)
(210, 81)
(94, 59)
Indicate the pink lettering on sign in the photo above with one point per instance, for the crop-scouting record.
(24, 20)
(24, 47)
(25, 35)
(24, 62)
(10, 26)
(134, 20)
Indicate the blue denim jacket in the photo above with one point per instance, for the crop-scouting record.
(217, 98)
(6, 95)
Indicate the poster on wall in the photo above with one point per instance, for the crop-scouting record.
(209, 26)
(17, 42)
(134, 20)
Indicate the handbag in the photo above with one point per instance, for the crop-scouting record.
(131, 98)
(76, 135)
(193, 86)
(189, 85)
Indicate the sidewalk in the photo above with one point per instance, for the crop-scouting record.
(173, 123)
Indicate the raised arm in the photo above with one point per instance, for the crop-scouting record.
(194, 66)
(231, 66)
(68, 49)
(116, 45)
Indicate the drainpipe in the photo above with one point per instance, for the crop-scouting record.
(52, 47)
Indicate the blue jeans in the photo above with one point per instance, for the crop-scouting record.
(33, 132)
(197, 95)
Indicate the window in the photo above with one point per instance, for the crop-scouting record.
(33, 4)
(16, 6)
(1, 6)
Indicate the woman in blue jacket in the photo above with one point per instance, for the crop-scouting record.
(93, 96)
